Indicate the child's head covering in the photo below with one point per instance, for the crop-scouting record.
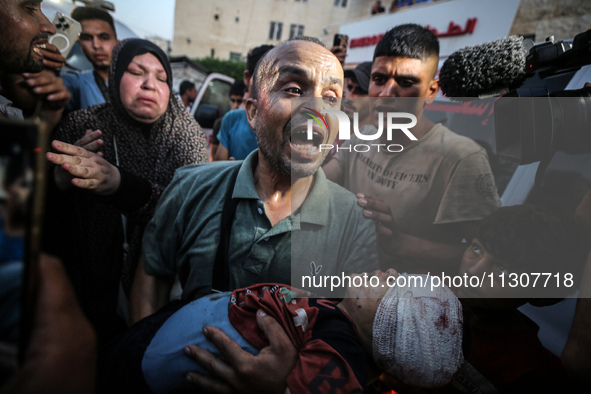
(417, 333)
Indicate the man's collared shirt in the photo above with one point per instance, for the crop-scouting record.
(328, 235)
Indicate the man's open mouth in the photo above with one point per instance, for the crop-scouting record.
(37, 47)
(299, 139)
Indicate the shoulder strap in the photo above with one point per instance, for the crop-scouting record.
(221, 277)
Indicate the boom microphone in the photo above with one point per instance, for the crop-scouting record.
(485, 70)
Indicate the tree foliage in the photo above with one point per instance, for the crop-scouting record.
(228, 67)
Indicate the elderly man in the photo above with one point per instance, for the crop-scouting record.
(284, 219)
(429, 195)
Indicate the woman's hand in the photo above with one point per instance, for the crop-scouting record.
(91, 141)
(87, 170)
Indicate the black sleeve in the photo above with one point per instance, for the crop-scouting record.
(133, 192)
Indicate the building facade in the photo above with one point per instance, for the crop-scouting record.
(228, 29)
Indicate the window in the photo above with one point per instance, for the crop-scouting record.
(235, 56)
(340, 3)
(275, 31)
(296, 31)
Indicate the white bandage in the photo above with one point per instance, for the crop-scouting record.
(417, 335)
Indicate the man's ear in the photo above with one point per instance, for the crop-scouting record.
(433, 90)
(251, 109)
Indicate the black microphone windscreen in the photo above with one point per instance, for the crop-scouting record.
(484, 69)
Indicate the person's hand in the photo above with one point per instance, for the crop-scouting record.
(91, 141)
(87, 169)
(52, 95)
(50, 89)
(340, 53)
(61, 354)
(389, 237)
(52, 58)
(267, 372)
(379, 211)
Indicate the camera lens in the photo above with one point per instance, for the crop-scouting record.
(572, 114)
(67, 26)
(62, 19)
(58, 26)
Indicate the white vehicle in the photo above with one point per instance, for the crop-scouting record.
(213, 91)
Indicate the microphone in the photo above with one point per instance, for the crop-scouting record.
(485, 70)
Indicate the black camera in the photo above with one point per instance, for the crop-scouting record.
(539, 118)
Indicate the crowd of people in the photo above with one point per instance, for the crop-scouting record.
(134, 204)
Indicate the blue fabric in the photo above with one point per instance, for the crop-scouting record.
(236, 135)
(11, 279)
(11, 248)
(164, 364)
(83, 89)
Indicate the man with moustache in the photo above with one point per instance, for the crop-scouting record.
(97, 40)
(27, 61)
(285, 215)
(430, 196)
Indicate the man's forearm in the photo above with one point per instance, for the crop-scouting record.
(148, 294)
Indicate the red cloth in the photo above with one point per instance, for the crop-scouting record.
(315, 326)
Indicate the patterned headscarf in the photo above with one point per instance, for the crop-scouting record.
(152, 151)
(122, 55)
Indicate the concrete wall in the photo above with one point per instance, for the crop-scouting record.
(561, 18)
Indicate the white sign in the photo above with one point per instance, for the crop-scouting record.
(458, 23)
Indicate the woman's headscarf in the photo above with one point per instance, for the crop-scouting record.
(122, 55)
(150, 151)
(126, 50)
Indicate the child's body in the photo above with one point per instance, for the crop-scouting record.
(341, 344)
